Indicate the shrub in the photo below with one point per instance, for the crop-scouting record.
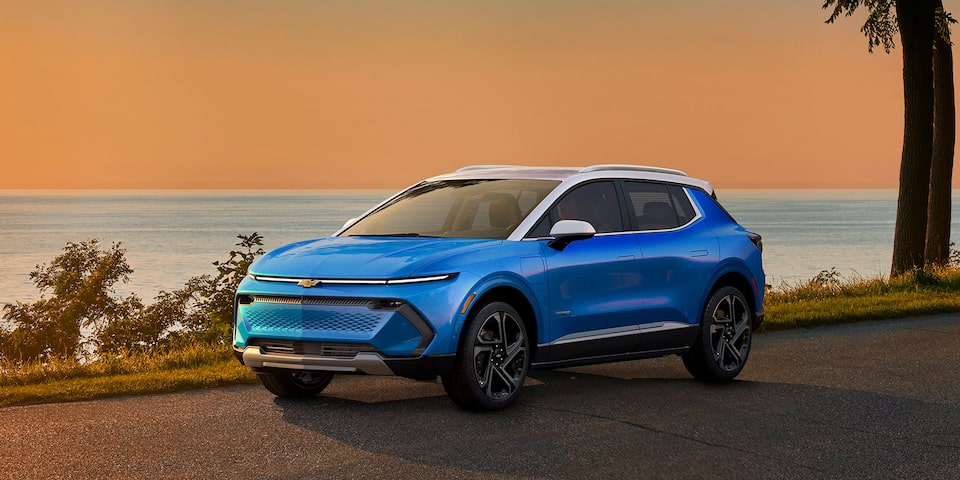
(81, 282)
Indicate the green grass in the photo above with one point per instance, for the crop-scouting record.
(827, 299)
(89, 388)
(190, 367)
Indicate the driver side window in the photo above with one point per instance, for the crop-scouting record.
(594, 202)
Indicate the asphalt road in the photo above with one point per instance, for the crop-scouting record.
(872, 400)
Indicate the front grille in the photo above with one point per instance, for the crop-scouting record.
(270, 321)
(337, 302)
(276, 299)
(325, 301)
(323, 349)
(340, 321)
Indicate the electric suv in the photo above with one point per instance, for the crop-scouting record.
(479, 275)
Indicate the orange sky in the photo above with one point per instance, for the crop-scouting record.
(351, 94)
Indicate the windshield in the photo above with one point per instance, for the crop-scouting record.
(456, 208)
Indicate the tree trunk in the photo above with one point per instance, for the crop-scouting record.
(937, 251)
(915, 19)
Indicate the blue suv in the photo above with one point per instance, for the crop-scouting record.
(481, 274)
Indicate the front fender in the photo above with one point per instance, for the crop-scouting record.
(478, 295)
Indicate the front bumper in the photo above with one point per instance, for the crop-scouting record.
(391, 327)
(403, 329)
(368, 363)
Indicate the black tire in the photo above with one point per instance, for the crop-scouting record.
(492, 359)
(726, 331)
(296, 384)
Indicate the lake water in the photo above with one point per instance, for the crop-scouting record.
(171, 236)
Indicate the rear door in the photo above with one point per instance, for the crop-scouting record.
(679, 254)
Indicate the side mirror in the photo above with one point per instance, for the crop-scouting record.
(566, 231)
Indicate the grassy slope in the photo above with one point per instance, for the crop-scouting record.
(824, 300)
(191, 367)
(88, 388)
(828, 299)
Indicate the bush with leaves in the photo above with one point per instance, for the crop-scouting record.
(201, 311)
(212, 316)
(81, 281)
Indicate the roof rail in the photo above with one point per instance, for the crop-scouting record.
(486, 167)
(635, 168)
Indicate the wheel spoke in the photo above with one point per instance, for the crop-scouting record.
(485, 380)
(483, 361)
(509, 380)
(741, 328)
(718, 347)
(726, 304)
(733, 351)
(716, 339)
(491, 334)
(481, 349)
(501, 330)
(513, 349)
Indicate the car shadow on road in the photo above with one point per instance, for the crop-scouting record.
(583, 425)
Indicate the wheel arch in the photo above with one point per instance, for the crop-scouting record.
(736, 279)
(516, 298)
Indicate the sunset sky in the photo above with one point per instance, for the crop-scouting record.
(257, 94)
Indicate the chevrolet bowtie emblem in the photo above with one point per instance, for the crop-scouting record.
(307, 283)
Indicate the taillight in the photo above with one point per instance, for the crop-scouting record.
(756, 239)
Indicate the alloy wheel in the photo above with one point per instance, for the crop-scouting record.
(730, 333)
(499, 355)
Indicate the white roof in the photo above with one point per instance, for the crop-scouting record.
(577, 174)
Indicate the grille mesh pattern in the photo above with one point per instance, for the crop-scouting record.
(353, 302)
(269, 321)
(340, 321)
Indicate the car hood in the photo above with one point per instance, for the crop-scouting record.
(361, 257)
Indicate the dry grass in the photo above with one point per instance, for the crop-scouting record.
(189, 367)
(829, 299)
(826, 299)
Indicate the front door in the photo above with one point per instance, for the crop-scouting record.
(593, 284)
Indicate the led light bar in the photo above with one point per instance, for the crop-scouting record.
(311, 282)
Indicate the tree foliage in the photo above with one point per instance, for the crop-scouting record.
(880, 26)
(200, 311)
(923, 218)
(81, 283)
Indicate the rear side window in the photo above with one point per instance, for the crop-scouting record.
(681, 202)
(656, 206)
